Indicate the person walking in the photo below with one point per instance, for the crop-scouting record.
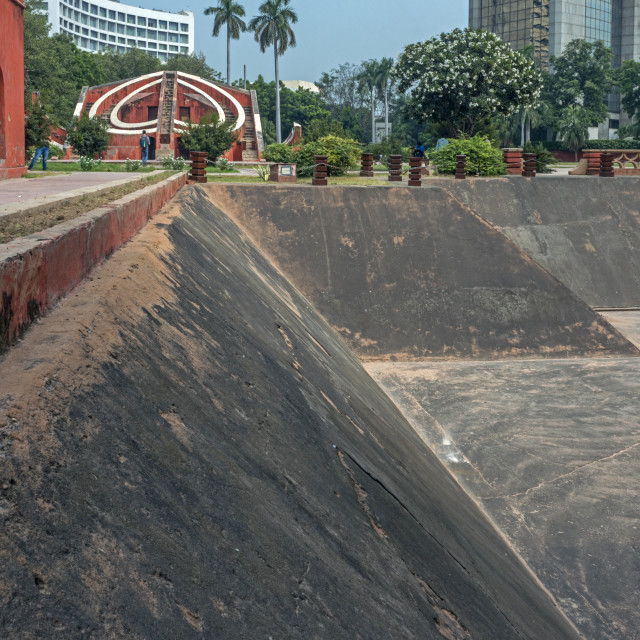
(41, 151)
(144, 147)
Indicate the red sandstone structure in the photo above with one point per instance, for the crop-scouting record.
(12, 90)
(162, 103)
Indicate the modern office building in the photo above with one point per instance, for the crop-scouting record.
(549, 25)
(96, 25)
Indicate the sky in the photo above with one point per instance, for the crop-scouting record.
(328, 32)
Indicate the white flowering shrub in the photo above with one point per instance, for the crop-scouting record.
(462, 77)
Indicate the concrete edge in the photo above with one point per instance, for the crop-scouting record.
(44, 203)
(38, 270)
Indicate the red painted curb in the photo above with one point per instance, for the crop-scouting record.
(38, 270)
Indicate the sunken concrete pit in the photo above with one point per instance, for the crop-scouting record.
(192, 448)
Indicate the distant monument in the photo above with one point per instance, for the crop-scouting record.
(163, 103)
(12, 90)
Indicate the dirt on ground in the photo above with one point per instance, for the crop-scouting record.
(37, 220)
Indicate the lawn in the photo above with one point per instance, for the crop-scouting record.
(66, 167)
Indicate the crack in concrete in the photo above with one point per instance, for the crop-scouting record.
(569, 473)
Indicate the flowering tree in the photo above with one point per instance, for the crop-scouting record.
(462, 77)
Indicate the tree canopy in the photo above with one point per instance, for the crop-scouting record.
(227, 13)
(465, 76)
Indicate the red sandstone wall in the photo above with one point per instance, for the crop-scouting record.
(35, 272)
(11, 90)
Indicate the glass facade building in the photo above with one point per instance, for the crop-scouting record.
(97, 25)
(549, 25)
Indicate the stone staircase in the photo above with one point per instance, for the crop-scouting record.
(165, 121)
(249, 149)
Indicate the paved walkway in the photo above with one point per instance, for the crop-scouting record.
(19, 194)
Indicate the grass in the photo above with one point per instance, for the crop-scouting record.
(32, 222)
(67, 167)
(212, 169)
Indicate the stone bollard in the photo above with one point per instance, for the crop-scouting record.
(395, 168)
(461, 167)
(198, 171)
(606, 165)
(283, 172)
(415, 172)
(513, 159)
(593, 161)
(320, 170)
(529, 165)
(366, 166)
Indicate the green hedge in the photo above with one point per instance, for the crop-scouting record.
(558, 145)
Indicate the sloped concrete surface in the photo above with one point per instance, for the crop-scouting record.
(189, 451)
(407, 274)
(551, 449)
(583, 230)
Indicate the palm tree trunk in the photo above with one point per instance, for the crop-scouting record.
(522, 129)
(527, 133)
(386, 111)
(373, 114)
(278, 125)
(228, 56)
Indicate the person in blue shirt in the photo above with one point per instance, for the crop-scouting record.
(418, 150)
(144, 147)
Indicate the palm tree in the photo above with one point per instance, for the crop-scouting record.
(369, 78)
(230, 13)
(273, 27)
(385, 83)
(573, 127)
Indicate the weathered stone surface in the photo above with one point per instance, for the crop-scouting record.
(408, 274)
(190, 451)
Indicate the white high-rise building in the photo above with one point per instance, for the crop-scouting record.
(96, 25)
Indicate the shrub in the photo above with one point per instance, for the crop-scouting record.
(210, 135)
(88, 136)
(388, 146)
(342, 154)
(177, 164)
(89, 164)
(544, 158)
(482, 157)
(278, 152)
(132, 165)
(224, 165)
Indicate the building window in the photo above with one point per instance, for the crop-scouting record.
(131, 19)
(83, 43)
(142, 21)
(173, 26)
(142, 33)
(83, 19)
(142, 44)
(102, 24)
(152, 22)
(184, 39)
(121, 41)
(185, 114)
(173, 37)
(112, 38)
(162, 24)
(614, 124)
(162, 36)
(184, 27)
(131, 43)
(85, 6)
(131, 31)
(112, 15)
(162, 56)
(103, 12)
(111, 27)
(94, 9)
(151, 45)
(162, 47)
(152, 113)
(172, 47)
(93, 22)
(184, 50)
(152, 35)
(120, 16)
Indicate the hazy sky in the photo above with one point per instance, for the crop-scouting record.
(329, 32)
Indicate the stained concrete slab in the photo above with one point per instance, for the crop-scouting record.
(189, 450)
(583, 230)
(409, 274)
(551, 450)
(627, 322)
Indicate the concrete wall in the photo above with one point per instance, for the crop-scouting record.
(11, 90)
(38, 270)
